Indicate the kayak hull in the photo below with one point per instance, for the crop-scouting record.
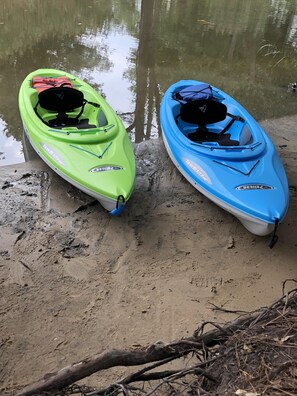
(96, 156)
(247, 179)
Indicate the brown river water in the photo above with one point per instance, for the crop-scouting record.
(131, 51)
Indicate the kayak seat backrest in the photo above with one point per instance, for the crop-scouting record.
(203, 112)
(61, 99)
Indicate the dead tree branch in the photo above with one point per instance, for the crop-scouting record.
(240, 331)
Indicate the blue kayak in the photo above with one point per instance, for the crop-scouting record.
(225, 154)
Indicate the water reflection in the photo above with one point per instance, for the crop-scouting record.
(133, 50)
(111, 76)
(11, 151)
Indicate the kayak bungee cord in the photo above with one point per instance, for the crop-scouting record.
(89, 152)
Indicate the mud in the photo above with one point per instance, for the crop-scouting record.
(75, 281)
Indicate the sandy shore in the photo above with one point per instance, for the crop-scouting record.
(75, 281)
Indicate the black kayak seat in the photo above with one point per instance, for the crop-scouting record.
(62, 100)
(203, 112)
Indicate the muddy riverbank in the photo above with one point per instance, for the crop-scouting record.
(75, 281)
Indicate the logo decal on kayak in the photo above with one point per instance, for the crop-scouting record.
(53, 153)
(254, 187)
(203, 108)
(198, 170)
(106, 168)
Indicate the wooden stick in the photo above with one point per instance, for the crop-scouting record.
(156, 352)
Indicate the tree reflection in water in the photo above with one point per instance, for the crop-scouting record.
(247, 48)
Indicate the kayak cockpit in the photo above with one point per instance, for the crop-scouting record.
(61, 107)
(209, 122)
(75, 113)
(203, 117)
(59, 103)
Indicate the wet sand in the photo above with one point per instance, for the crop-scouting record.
(75, 281)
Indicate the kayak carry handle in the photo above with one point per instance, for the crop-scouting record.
(119, 206)
(274, 237)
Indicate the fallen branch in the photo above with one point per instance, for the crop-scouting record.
(107, 359)
(169, 374)
(163, 353)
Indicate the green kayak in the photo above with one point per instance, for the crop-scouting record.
(76, 132)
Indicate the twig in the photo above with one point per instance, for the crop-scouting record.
(217, 308)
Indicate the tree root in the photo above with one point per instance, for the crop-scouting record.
(256, 352)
